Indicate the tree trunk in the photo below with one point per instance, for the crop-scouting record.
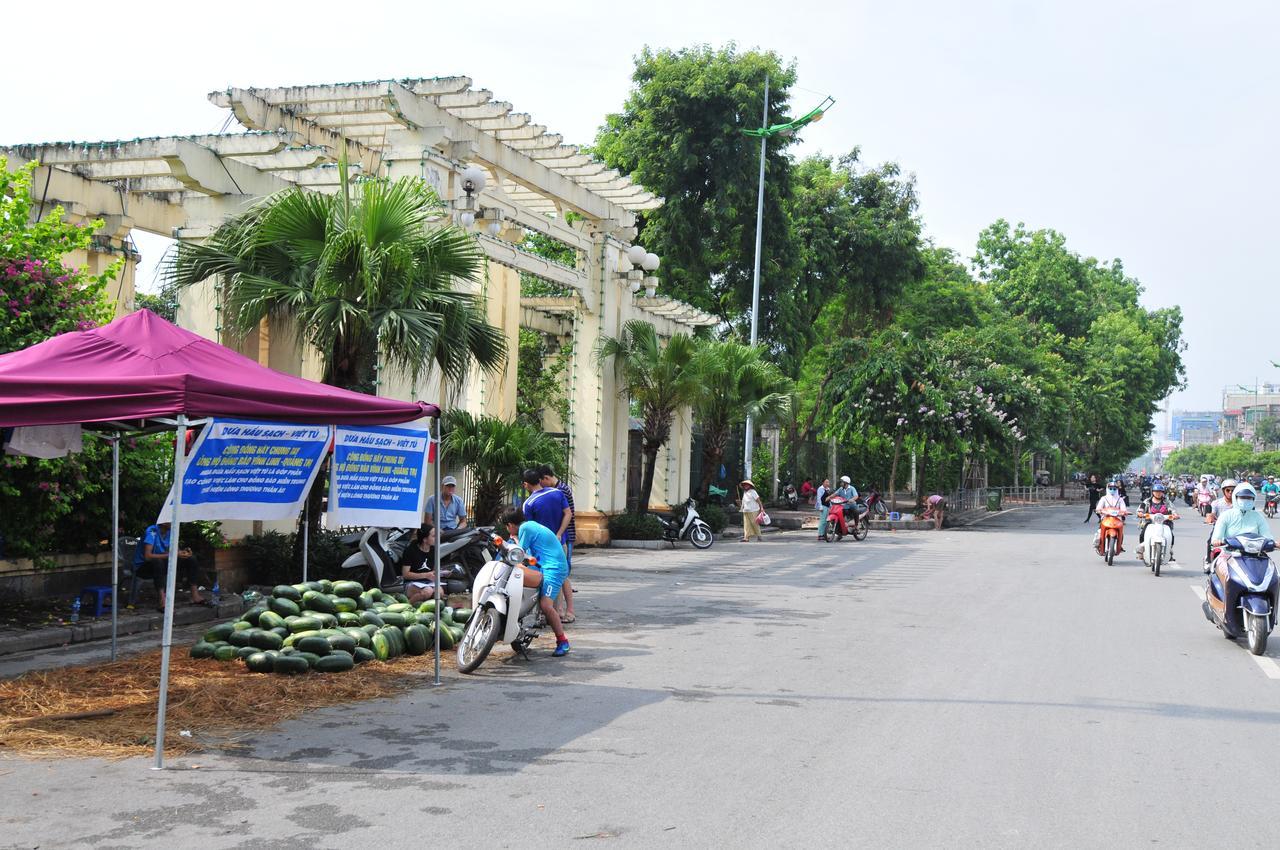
(646, 479)
(893, 472)
(714, 439)
(488, 502)
(921, 490)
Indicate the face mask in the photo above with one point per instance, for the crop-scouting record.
(1111, 491)
(1245, 504)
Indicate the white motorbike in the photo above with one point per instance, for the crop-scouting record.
(504, 609)
(375, 563)
(687, 524)
(1157, 541)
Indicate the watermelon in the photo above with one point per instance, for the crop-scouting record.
(447, 614)
(241, 638)
(399, 608)
(395, 640)
(372, 619)
(225, 653)
(260, 662)
(297, 636)
(202, 649)
(270, 620)
(425, 619)
(240, 626)
(220, 632)
(326, 586)
(362, 603)
(381, 648)
(348, 618)
(338, 662)
(349, 589)
(251, 616)
(315, 601)
(343, 605)
(245, 651)
(427, 607)
(462, 616)
(285, 607)
(280, 630)
(415, 638)
(316, 645)
(310, 657)
(310, 585)
(398, 620)
(363, 654)
(305, 624)
(447, 639)
(400, 597)
(327, 621)
(343, 642)
(265, 640)
(375, 593)
(370, 629)
(360, 636)
(289, 665)
(284, 591)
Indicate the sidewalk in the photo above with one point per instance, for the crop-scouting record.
(131, 622)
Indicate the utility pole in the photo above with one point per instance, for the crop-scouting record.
(755, 277)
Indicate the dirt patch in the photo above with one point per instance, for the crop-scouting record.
(216, 701)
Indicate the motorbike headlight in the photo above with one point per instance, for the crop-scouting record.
(515, 555)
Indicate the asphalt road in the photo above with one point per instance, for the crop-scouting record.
(997, 686)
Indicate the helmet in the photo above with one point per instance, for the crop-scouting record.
(1158, 487)
(1204, 477)
(1245, 492)
(1231, 482)
(844, 479)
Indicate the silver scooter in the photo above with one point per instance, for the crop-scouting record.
(504, 608)
(375, 563)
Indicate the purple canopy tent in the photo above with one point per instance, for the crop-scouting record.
(141, 373)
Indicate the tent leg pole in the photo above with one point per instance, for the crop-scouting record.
(306, 535)
(436, 548)
(115, 542)
(171, 584)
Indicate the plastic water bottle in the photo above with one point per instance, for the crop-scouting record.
(217, 593)
(75, 610)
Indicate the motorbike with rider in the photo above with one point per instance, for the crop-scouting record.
(1161, 535)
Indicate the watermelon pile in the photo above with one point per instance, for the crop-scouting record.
(330, 627)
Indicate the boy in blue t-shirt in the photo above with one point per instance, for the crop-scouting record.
(544, 546)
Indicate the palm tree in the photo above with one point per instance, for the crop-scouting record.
(737, 381)
(357, 273)
(495, 453)
(658, 379)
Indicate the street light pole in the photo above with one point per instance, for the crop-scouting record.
(755, 278)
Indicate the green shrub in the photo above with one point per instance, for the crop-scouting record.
(269, 557)
(635, 527)
(714, 516)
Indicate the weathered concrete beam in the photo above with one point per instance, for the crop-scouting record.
(256, 113)
(509, 255)
(522, 169)
(201, 170)
(290, 160)
(492, 109)
(75, 153)
(97, 200)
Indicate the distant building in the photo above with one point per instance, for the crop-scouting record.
(1198, 420)
(1198, 436)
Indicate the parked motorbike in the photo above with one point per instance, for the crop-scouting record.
(686, 524)
(1241, 593)
(504, 608)
(790, 497)
(376, 561)
(846, 518)
(875, 504)
(1109, 533)
(1157, 540)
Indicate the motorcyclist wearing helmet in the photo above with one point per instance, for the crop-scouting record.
(1270, 489)
(1216, 510)
(1155, 504)
(1241, 518)
(1112, 500)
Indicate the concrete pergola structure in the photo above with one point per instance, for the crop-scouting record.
(184, 187)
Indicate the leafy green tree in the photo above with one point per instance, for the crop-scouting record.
(540, 384)
(680, 135)
(736, 381)
(658, 379)
(360, 274)
(1267, 431)
(495, 453)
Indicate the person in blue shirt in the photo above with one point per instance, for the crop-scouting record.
(453, 514)
(1240, 519)
(546, 505)
(153, 551)
(545, 547)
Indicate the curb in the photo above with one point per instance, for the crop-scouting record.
(51, 638)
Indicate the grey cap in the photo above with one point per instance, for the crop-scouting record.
(449, 479)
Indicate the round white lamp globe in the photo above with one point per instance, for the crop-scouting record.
(650, 262)
(636, 255)
(473, 176)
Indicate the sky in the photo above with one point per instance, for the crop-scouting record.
(1140, 130)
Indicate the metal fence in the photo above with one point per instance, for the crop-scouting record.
(984, 497)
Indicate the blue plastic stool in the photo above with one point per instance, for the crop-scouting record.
(100, 593)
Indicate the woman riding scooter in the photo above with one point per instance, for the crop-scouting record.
(1112, 501)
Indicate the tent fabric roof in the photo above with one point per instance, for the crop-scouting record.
(141, 367)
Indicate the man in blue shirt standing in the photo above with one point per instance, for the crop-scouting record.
(549, 479)
(538, 541)
(453, 514)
